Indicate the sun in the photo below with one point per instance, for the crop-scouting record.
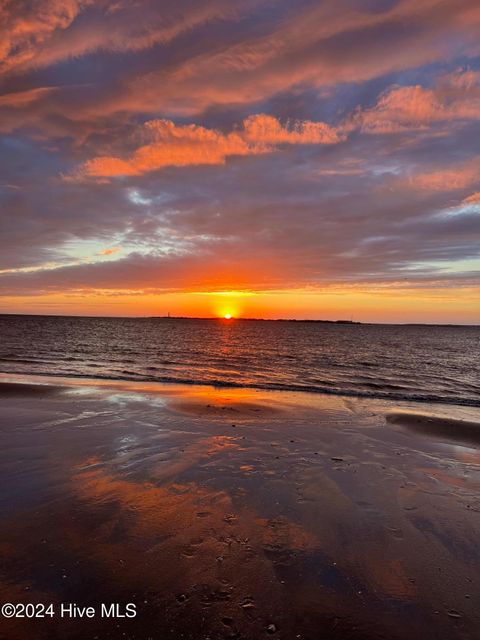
(228, 316)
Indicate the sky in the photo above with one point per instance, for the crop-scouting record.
(263, 158)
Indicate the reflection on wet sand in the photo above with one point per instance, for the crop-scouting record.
(301, 518)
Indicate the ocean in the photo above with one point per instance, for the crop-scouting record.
(398, 362)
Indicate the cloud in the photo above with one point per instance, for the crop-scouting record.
(27, 27)
(455, 97)
(269, 222)
(264, 129)
(38, 33)
(183, 145)
(319, 45)
(24, 98)
(453, 178)
(109, 252)
(319, 143)
(236, 56)
(473, 199)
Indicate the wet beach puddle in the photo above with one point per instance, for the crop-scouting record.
(291, 520)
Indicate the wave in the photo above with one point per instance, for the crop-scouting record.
(27, 361)
(129, 376)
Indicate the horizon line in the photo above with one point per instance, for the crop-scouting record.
(236, 319)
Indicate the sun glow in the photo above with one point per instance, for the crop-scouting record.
(228, 316)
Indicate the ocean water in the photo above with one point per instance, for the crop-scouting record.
(398, 362)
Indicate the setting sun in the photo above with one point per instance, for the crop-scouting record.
(228, 316)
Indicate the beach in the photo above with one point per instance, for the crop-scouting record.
(236, 513)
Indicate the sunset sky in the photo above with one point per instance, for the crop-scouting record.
(266, 158)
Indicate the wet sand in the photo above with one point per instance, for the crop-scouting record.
(236, 513)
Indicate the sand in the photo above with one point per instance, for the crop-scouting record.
(236, 513)
(453, 429)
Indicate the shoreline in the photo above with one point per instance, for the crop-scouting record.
(75, 378)
(436, 420)
(233, 513)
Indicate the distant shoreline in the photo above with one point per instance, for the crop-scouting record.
(253, 319)
(220, 319)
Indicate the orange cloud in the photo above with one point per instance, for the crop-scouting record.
(454, 97)
(110, 252)
(263, 129)
(48, 30)
(24, 32)
(322, 44)
(473, 199)
(173, 145)
(24, 98)
(459, 177)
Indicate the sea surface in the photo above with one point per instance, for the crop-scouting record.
(398, 362)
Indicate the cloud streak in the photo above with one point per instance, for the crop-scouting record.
(44, 32)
